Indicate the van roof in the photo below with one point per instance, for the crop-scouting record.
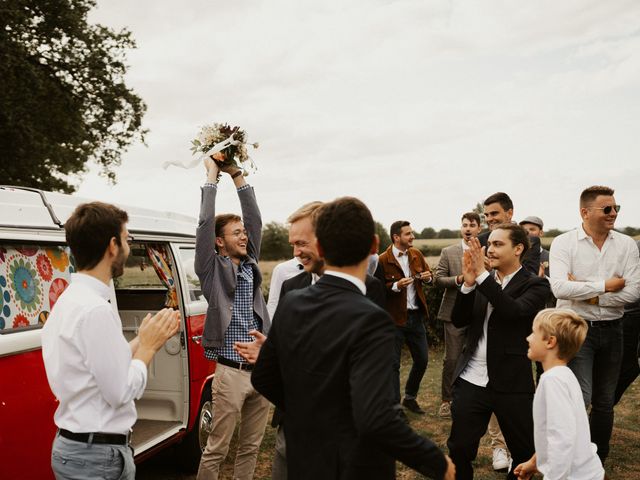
(29, 207)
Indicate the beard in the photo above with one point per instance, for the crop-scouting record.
(117, 267)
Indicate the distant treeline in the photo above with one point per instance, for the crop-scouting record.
(275, 239)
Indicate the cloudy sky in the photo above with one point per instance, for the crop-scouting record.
(421, 108)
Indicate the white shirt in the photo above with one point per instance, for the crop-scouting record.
(561, 429)
(403, 260)
(574, 252)
(88, 361)
(281, 272)
(355, 280)
(476, 371)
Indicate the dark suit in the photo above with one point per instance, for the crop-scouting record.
(375, 292)
(509, 393)
(531, 259)
(326, 363)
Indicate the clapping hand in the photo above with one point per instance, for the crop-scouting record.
(473, 262)
(250, 350)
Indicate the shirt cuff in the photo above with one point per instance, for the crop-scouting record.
(465, 289)
(482, 277)
(395, 288)
(244, 187)
(209, 184)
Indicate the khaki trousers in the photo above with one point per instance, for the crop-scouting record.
(497, 439)
(233, 396)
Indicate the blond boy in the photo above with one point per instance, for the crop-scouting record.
(561, 427)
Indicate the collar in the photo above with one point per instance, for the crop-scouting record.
(507, 278)
(582, 234)
(397, 252)
(356, 281)
(92, 283)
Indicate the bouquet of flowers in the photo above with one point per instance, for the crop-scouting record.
(229, 141)
(225, 144)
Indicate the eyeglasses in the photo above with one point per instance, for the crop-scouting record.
(607, 210)
(236, 233)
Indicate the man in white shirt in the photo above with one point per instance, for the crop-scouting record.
(494, 374)
(595, 271)
(281, 272)
(92, 370)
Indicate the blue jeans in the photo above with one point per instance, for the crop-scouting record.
(597, 367)
(414, 335)
(71, 460)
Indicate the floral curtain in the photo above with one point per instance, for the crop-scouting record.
(162, 265)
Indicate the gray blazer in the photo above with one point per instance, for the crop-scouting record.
(449, 267)
(217, 274)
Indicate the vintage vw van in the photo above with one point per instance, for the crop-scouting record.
(35, 267)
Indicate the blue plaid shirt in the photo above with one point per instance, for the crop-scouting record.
(243, 319)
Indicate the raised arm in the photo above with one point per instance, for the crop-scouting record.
(206, 231)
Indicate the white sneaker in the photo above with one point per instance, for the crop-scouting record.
(501, 459)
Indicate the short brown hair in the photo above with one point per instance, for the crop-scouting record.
(222, 220)
(89, 231)
(307, 210)
(588, 195)
(396, 227)
(472, 217)
(502, 198)
(517, 235)
(345, 231)
(567, 326)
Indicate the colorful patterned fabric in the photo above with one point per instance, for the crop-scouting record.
(161, 264)
(31, 280)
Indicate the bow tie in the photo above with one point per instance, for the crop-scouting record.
(403, 253)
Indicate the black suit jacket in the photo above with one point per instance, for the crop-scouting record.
(327, 364)
(531, 259)
(509, 325)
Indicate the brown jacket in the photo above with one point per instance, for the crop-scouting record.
(397, 301)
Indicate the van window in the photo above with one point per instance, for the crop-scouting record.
(188, 255)
(32, 278)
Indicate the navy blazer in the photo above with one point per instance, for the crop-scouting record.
(327, 364)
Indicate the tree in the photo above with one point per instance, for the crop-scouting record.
(63, 100)
(427, 233)
(275, 242)
(446, 233)
(554, 232)
(385, 240)
(479, 209)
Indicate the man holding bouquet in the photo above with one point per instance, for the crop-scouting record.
(227, 251)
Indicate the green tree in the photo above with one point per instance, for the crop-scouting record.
(428, 232)
(479, 209)
(63, 100)
(275, 242)
(446, 233)
(554, 232)
(385, 240)
(632, 232)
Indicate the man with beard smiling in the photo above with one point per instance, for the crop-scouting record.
(227, 252)
(494, 374)
(92, 370)
(595, 272)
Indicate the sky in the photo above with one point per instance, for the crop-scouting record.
(420, 108)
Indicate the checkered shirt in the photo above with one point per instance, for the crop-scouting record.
(243, 319)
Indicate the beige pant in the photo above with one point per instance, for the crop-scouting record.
(233, 395)
(497, 440)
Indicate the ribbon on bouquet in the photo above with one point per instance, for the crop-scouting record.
(218, 147)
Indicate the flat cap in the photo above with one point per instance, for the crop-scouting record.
(533, 219)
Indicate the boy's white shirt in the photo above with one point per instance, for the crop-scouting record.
(562, 437)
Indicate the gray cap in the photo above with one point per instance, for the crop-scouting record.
(533, 219)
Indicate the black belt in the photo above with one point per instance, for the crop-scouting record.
(98, 437)
(230, 363)
(604, 323)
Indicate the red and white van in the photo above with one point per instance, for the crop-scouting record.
(35, 266)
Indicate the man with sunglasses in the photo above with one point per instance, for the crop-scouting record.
(227, 251)
(595, 271)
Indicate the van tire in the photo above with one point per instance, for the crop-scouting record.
(191, 448)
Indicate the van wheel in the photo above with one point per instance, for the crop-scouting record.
(191, 448)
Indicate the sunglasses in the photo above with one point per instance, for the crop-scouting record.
(607, 210)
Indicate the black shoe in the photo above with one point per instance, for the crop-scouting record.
(403, 416)
(411, 405)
